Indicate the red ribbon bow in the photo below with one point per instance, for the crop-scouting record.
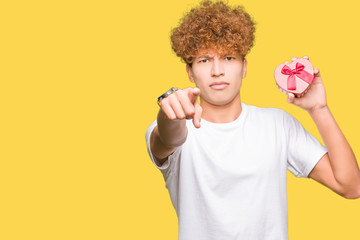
(299, 72)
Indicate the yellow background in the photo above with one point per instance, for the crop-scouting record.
(79, 83)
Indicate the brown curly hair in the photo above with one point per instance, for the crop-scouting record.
(213, 25)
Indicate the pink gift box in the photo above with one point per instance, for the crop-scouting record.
(295, 77)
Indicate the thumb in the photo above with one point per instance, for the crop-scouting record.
(197, 115)
(291, 98)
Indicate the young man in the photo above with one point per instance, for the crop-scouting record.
(225, 162)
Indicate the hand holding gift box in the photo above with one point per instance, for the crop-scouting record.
(302, 83)
(295, 77)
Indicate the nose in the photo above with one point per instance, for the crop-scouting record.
(217, 68)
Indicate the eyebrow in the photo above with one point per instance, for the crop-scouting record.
(224, 55)
(205, 56)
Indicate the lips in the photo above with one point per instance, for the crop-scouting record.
(219, 85)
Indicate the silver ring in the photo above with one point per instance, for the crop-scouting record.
(170, 91)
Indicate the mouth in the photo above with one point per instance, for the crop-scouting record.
(219, 85)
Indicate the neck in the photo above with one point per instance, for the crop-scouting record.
(223, 113)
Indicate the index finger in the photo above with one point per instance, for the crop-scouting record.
(193, 94)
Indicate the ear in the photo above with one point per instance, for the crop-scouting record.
(189, 72)
(244, 67)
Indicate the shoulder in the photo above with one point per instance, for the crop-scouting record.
(267, 113)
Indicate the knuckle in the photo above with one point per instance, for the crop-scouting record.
(173, 101)
(191, 112)
(179, 95)
(164, 101)
(179, 92)
(165, 105)
(176, 96)
(187, 90)
(170, 97)
(181, 116)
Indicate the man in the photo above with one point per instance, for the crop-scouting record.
(225, 162)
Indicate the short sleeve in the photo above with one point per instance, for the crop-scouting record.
(304, 150)
(165, 168)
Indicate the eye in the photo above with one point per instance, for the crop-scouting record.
(229, 58)
(204, 60)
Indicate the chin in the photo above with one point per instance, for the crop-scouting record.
(220, 102)
(220, 99)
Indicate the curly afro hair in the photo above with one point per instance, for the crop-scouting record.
(213, 25)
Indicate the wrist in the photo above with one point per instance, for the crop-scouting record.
(318, 110)
(172, 133)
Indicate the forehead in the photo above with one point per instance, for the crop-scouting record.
(219, 53)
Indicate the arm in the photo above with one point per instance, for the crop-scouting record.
(171, 130)
(173, 135)
(341, 160)
(338, 169)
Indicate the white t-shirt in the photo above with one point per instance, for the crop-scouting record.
(228, 180)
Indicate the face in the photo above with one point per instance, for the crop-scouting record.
(219, 77)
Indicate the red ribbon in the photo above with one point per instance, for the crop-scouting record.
(299, 72)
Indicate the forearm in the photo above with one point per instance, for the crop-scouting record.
(342, 158)
(172, 133)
